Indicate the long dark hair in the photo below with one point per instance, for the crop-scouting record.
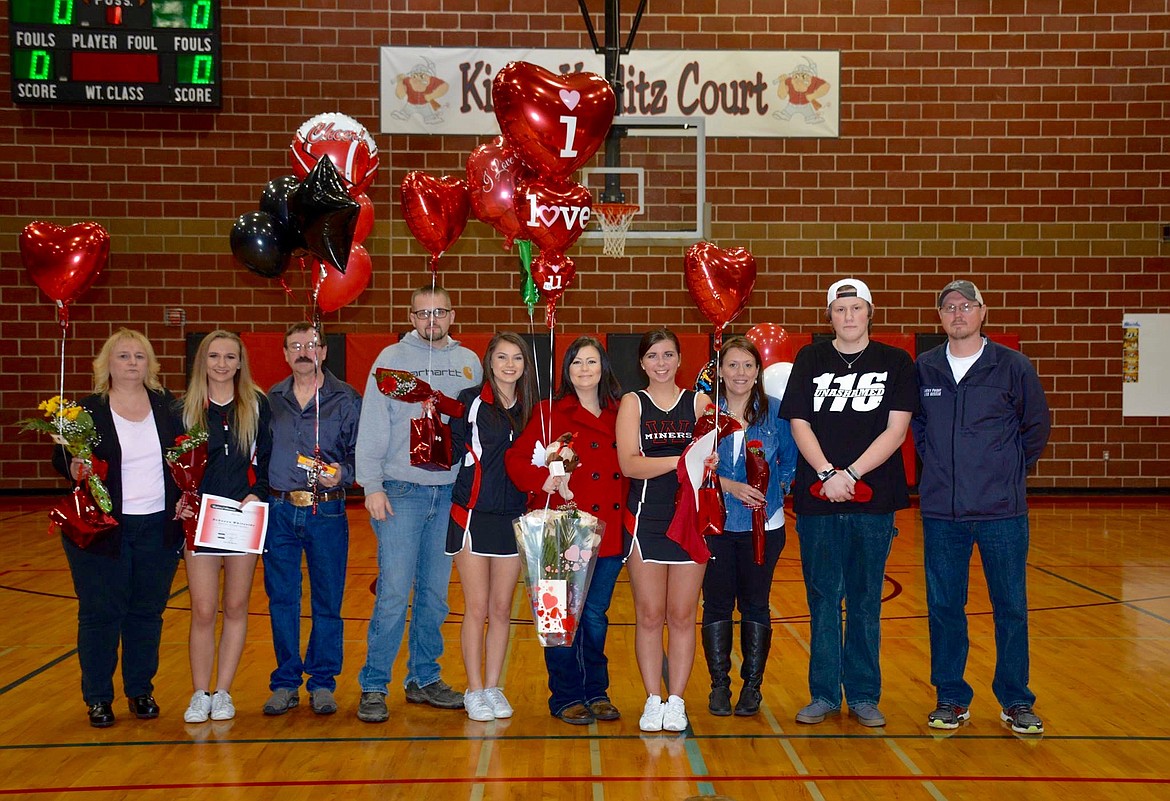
(608, 389)
(757, 405)
(525, 387)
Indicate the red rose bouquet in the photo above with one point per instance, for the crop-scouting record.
(187, 459)
(758, 474)
(430, 437)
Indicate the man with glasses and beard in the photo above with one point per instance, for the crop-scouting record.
(409, 509)
(982, 423)
(314, 433)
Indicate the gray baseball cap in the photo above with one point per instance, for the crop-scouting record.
(964, 288)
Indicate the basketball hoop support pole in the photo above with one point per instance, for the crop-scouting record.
(613, 73)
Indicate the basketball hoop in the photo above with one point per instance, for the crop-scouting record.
(614, 220)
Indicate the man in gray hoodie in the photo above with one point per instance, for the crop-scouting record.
(409, 509)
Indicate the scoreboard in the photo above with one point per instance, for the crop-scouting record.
(115, 52)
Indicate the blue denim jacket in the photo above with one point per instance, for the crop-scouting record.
(780, 450)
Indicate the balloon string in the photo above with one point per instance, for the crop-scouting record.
(715, 381)
(315, 473)
(61, 383)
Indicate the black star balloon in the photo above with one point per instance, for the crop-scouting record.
(325, 214)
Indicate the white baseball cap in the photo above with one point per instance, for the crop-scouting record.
(849, 288)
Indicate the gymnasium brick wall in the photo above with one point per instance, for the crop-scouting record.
(1022, 143)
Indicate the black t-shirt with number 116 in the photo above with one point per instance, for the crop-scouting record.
(848, 408)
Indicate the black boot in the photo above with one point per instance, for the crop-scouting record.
(717, 648)
(755, 640)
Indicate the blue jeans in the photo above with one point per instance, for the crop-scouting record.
(1003, 549)
(121, 599)
(323, 538)
(411, 556)
(844, 559)
(579, 673)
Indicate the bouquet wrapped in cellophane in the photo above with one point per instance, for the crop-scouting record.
(187, 460)
(84, 515)
(558, 551)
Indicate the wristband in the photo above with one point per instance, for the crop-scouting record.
(825, 475)
(852, 473)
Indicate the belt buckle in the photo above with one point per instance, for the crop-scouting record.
(301, 498)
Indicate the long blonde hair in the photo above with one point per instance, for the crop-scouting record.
(101, 362)
(247, 412)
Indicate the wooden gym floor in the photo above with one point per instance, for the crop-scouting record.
(1099, 591)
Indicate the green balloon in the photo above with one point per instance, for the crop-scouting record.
(528, 292)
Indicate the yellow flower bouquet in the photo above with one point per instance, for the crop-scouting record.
(69, 424)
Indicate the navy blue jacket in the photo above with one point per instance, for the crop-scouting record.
(979, 438)
(480, 438)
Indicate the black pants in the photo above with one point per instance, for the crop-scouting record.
(121, 601)
(733, 578)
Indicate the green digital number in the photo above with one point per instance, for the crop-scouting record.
(40, 65)
(62, 12)
(201, 14)
(201, 69)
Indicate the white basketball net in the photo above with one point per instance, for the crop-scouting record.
(614, 220)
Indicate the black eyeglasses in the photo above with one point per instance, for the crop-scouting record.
(428, 314)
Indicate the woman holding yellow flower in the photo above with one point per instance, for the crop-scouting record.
(123, 579)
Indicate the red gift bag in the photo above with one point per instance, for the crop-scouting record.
(430, 443)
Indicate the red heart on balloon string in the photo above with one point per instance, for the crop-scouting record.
(435, 210)
(553, 213)
(720, 281)
(555, 122)
(493, 172)
(64, 262)
(553, 273)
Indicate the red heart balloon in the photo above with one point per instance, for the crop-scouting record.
(64, 262)
(720, 281)
(493, 172)
(773, 343)
(435, 209)
(553, 273)
(336, 289)
(553, 213)
(555, 122)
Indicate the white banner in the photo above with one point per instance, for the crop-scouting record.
(774, 93)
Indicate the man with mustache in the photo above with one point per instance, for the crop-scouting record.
(314, 436)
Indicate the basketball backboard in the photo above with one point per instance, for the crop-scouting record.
(660, 164)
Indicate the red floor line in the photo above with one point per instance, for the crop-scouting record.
(591, 780)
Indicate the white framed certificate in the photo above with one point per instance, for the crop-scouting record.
(228, 525)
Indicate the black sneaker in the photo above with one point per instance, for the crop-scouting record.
(438, 694)
(372, 708)
(948, 716)
(1022, 719)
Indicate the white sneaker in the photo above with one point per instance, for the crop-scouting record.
(674, 714)
(478, 706)
(652, 713)
(199, 707)
(499, 704)
(222, 707)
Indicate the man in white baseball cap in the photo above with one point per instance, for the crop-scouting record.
(849, 402)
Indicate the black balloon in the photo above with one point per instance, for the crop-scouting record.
(256, 242)
(324, 214)
(274, 200)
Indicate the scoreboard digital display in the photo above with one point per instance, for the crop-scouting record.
(115, 52)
